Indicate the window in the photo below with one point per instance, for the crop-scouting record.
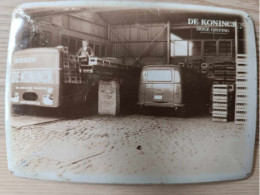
(225, 48)
(210, 48)
(179, 48)
(194, 48)
(177, 78)
(41, 39)
(159, 75)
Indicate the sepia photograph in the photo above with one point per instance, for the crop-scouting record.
(130, 93)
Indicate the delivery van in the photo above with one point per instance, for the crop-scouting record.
(172, 86)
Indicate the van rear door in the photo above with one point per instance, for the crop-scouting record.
(159, 87)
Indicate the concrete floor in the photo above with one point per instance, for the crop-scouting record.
(131, 148)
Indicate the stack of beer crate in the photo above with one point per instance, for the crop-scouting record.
(241, 90)
(230, 72)
(70, 68)
(219, 72)
(222, 102)
(196, 64)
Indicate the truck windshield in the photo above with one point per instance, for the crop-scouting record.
(159, 75)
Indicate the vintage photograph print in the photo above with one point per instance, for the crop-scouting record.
(130, 92)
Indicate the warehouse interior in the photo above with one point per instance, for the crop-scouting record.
(160, 147)
(139, 37)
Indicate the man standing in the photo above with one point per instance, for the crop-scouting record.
(85, 50)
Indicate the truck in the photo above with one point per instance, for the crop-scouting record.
(52, 78)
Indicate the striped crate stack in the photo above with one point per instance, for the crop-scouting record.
(230, 72)
(224, 72)
(222, 102)
(219, 72)
(241, 101)
(70, 68)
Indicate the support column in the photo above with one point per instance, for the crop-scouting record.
(109, 97)
(168, 42)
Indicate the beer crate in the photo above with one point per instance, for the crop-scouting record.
(63, 49)
(221, 97)
(241, 98)
(241, 113)
(72, 58)
(230, 73)
(240, 120)
(242, 66)
(204, 65)
(241, 58)
(221, 111)
(190, 66)
(223, 89)
(240, 105)
(220, 119)
(219, 104)
(65, 57)
(219, 72)
(95, 61)
(203, 71)
(66, 65)
(231, 67)
(210, 75)
(219, 66)
(218, 78)
(72, 65)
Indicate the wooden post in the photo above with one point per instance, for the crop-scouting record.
(168, 42)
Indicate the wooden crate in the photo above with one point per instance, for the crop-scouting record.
(109, 97)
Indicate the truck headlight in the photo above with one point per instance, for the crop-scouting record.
(48, 99)
(15, 97)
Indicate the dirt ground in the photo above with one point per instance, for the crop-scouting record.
(107, 148)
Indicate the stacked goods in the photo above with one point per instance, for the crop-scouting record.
(222, 102)
(230, 74)
(69, 63)
(219, 71)
(241, 90)
(224, 72)
(108, 97)
(196, 64)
